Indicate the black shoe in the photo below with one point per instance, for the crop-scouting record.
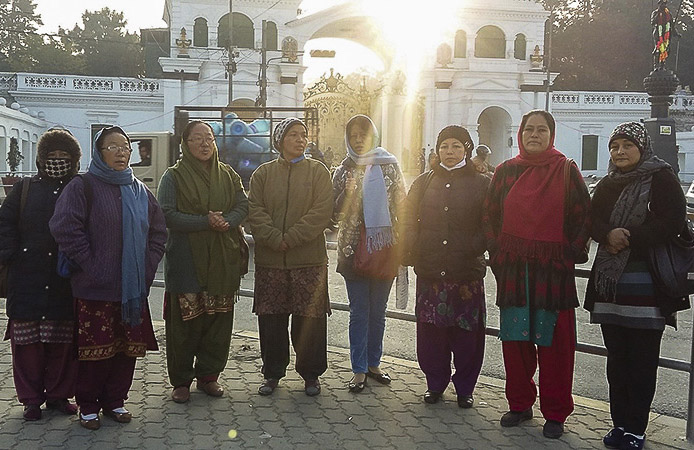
(355, 387)
(553, 429)
(32, 413)
(382, 377)
(513, 418)
(631, 442)
(312, 387)
(613, 439)
(268, 386)
(466, 401)
(432, 397)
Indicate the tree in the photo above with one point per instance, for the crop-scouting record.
(104, 45)
(57, 56)
(18, 37)
(14, 156)
(607, 45)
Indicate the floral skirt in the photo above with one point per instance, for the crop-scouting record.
(302, 291)
(101, 332)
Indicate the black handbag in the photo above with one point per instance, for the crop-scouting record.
(672, 264)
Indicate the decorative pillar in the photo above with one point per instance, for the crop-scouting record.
(443, 80)
(289, 80)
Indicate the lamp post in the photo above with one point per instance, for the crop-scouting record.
(548, 58)
(232, 64)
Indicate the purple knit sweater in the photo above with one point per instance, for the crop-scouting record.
(96, 242)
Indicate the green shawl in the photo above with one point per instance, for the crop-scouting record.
(216, 255)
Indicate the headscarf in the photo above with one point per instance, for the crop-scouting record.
(533, 210)
(379, 228)
(631, 207)
(135, 223)
(215, 255)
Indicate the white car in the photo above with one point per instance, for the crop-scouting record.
(689, 196)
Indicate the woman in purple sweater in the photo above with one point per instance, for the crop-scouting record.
(110, 228)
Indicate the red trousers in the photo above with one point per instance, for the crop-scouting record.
(556, 371)
(43, 372)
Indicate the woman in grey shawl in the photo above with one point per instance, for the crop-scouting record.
(637, 206)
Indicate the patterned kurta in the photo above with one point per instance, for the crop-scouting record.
(101, 333)
(302, 291)
(451, 304)
(349, 210)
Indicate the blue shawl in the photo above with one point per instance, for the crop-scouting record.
(379, 228)
(135, 213)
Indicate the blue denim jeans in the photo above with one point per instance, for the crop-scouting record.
(367, 321)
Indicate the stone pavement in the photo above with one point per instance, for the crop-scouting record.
(381, 417)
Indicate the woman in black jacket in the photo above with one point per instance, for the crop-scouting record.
(39, 302)
(637, 206)
(445, 243)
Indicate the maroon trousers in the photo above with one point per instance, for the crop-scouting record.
(556, 371)
(434, 348)
(43, 371)
(104, 384)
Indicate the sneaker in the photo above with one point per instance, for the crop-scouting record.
(613, 439)
(312, 387)
(513, 418)
(32, 412)
(553, 429)
(631, 442)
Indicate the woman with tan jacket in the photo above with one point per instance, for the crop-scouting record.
(290, 205)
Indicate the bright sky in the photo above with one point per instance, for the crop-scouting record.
(138, 13)
(397, 24)
(66, 13)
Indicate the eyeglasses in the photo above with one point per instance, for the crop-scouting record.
(117, 148)
(197, 140)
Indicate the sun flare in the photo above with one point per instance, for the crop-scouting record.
(414, 31)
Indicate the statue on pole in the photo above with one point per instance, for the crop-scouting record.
(663, 28)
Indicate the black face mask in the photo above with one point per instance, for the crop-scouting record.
(57, 167)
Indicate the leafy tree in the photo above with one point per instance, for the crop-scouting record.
(607, 44)
(18, 38)
(104, 45)
(57, 56)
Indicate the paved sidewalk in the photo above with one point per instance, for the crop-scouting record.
(381, 417)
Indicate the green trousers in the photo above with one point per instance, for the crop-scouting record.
(196, 348)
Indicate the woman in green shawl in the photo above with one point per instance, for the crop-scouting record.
(203, 202)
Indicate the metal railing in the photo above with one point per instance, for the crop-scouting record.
(598, 350)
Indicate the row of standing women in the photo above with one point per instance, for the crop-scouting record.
(533, 217)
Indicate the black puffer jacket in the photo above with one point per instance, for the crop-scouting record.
(442, 227)
(35, 291)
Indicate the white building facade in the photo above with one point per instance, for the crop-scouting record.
(485, 77)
